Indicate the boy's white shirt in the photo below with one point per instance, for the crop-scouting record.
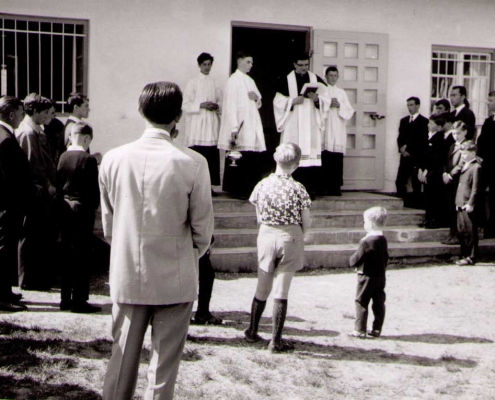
(74, 147)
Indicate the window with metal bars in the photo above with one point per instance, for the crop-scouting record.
(43, 55)
(472, 68)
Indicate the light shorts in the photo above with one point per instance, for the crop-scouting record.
(281, 248)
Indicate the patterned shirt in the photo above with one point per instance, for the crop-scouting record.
(280, 200)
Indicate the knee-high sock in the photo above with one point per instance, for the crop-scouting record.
(257, 308)
(279, 314)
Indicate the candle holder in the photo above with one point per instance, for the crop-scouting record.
(233, 154)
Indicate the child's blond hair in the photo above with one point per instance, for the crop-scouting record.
(377, 216)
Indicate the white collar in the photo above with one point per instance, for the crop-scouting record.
(7, 126)
(75, 119)
(374, 233)
(28, 121)
(156, 130)
(459, 108)
(414, 116)
(75, 147)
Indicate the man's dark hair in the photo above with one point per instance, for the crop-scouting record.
(438, 119)
(300, 57)
(81, 128)
(331, 68)
(243, 54)
(448, 117)
(160, 102)
(35, 102)
(445, 103)
(462, 92)
(204, 57)
(415, 99)
(8, 105)
(491, 94)
(75, 99)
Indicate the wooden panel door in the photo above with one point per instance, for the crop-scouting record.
(362, 62)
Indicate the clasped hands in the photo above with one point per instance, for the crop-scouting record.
(209, 105)
(300, 99)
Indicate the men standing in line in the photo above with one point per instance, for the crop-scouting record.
(241, 129)
(36, 247)
(461, 110)
(202, 100)
(18, 192)
(300, 120)
(412, 142)
(157, 214)
(339, 111)
(486, 146)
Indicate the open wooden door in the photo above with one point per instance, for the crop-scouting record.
(362, 62)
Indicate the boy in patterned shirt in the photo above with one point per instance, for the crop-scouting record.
(282, 209)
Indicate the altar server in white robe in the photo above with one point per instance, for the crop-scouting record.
(300, 120)
(202, 102)
(338, 111)
(241, 124)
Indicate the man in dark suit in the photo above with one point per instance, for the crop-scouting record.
(412, 142)
(486, 145)
(466, 201)
(461, 110)
(16, 192)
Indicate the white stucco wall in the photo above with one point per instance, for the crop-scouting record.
(133, 42)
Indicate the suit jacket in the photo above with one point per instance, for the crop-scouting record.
(467, 116)
(16, 185)
(157, 214)
(469, 185)
(486, 146)
(414, 135)
(433, 158)
(453, 163)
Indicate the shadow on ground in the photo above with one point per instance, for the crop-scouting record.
(437, 338)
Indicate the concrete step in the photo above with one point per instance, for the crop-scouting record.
(244, 259)
(403, 234)
(349, 201)
(322, 219)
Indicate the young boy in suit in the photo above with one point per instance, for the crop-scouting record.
(370, 261)
(430, 174)
(466, 202)
(79, 196)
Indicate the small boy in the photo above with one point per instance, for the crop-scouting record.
(466, 199)
(370, 261)
(79, 196)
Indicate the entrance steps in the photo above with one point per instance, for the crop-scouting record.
(337, 227)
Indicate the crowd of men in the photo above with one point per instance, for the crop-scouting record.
(308, 111)
(430, 157)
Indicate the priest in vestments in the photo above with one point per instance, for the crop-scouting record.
(338, 111)
(300, 120)
(202, 100)
(241, 130)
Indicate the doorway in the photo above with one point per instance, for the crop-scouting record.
(272, 47)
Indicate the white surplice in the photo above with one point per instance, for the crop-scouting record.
(303, 124)
(202, 126)
(237, 109)
(335, 136)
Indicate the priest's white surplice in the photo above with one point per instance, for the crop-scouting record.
(202, 126)
(302, 124)
(335, 135)
(239, 109)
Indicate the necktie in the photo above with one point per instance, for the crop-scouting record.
(411, 120)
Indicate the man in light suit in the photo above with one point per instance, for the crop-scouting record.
(158, 216)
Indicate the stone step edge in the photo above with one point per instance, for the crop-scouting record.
(254, 231)
(404, 211)
(352, 247)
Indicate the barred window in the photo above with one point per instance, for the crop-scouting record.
(472, 68)
(44, 55)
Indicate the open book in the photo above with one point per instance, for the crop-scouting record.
(310, 88)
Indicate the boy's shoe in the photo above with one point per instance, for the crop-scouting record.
(358, 334)
(281, 347)
(85, 308)
(209, 319)
(465, 261)
(375, 333)
(252, 337)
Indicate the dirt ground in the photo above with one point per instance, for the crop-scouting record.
(437, 343)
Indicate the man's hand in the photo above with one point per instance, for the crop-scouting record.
(335, 103)
(468, 208)
(446, 178)
(234, 135)
(209, 105)
(422, 175)
(313, 96)
(298, 100)
(253, 96)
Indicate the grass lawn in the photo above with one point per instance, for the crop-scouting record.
(437, 343)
